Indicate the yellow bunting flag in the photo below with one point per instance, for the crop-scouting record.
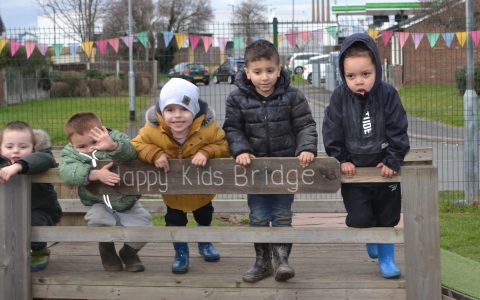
(3, 42)
(180, 39)
(373, 33)
(87, 48)
(461, 37)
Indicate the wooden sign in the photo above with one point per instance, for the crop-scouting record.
(223, 176)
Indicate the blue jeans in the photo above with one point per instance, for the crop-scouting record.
(270, 209)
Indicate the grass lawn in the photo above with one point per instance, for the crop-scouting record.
(441, 103)
(52, 114)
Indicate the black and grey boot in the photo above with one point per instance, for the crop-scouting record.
(283, 271)
(110, 260)
(130, 259)
(263, 264)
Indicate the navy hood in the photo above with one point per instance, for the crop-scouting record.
(370, 43)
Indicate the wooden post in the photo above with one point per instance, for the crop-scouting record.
(422, 238)
(15, 239)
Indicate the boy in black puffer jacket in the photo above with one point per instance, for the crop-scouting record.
(27, 151)
(266, 117)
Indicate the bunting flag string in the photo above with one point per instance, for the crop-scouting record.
(194, 39)
(58, 49)
(102, 46)
(73, 48)
(114, 43)
(142, 37)
(207, 42)
(87, 48)
(461, 37)
(42, 47)
(3, 43)
(386, 36)
(14, 46)
(448, 38)
(29, 47)
(432, 38)
(167, 37)
(189, 40)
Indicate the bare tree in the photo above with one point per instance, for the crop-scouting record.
(250, 19)
(184, 15)
(80, 15)
(115, 21)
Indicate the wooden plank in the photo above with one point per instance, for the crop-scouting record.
(155, 293)
(15, 238)
(263, 176)
(422, 244)
(354, 274)
(70, 206)
(217, 234)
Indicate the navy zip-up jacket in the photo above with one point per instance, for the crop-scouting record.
(369, 129)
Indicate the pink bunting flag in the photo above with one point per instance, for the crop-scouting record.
(42, 47)
(114, 43)
(29, 47)
(128, 40)
(14, 46)
(305, 35)
(193, 39)
(403, 37)
(292, 38)
(475, 37)
(222, 42)
(417, 38)
(102, 46)
(386, 36)
(207, 42)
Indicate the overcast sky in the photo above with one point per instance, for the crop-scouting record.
(23, 13)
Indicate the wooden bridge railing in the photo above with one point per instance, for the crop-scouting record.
(420, 207)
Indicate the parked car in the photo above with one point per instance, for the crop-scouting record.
(323, 60)
(298, 60)
(193, 72)
(228, 70)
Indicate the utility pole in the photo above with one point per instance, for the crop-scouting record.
(470, 116)
(131, 74)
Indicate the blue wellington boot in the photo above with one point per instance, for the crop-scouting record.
(180, 263)
(386, 261)
(208, 251)
(372, 250)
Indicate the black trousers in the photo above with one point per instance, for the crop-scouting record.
(372, 204)
(176, 217)
(40, 218)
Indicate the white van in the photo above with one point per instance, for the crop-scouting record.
(298, 60)
(323, 60)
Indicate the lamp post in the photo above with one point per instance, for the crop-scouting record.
(131, 74)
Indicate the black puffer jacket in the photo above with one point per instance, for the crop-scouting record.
(280, 125)
(344, 135)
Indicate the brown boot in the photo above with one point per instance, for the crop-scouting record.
(130, 259)
(110, 260)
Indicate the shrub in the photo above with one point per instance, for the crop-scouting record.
(71, 78)
(60, 89)
(142, 83)
(112, 85)
(461, 79)
(95, 85)
(99, 74)
(82, 90)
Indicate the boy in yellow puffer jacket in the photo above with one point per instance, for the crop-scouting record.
(181, 126)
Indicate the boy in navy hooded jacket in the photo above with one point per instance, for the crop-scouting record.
(365, 125)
